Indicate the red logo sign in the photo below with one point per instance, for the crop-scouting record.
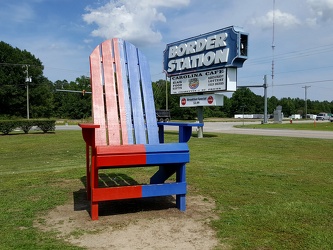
(183, 101)
(210, 99)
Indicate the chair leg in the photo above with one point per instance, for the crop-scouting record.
(181, 198)
(88, 187)
(181, 202)
(94, 210)
(93, 185)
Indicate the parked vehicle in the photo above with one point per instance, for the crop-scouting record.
(163, 115)
(322, 117)
(331, 119)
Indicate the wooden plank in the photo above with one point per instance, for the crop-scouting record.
(116, 193)
(152, 190)
(113, 131)
(121, 149)
(121, 160)
(135, 92)
(123, 92)
(97, 96)
(148, 97)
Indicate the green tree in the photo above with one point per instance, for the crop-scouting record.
(73, 105)
(272, 103)
(15, 66)
(244, 100)
(288, 106)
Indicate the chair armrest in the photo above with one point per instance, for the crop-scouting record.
(89, 125)
(88, 132)
(185, 129)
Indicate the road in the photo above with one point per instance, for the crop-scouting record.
(228, 128)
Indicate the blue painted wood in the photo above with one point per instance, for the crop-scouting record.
(135, 92)
(181, 202)
(167, 158)
(167, 153)
(167, 148)
(123, 84)
(152, 190)
(181, 177)
(164, 172)
(185, 130)
(148, 98)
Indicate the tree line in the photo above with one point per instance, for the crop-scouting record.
(45, 101)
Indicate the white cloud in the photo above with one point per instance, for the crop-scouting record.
(321, 9)
(281, 19)
(133, 20)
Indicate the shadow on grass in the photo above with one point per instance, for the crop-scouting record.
(118, 207)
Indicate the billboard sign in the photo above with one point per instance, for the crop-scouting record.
(201, 100)
(218, 49)
(205, 81)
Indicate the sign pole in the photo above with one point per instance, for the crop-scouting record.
(200, 119)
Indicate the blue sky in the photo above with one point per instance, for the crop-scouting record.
(62, 34)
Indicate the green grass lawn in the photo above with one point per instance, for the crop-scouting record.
(311, 125)
(270, 192)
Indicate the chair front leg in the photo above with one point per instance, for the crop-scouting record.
(181, 177)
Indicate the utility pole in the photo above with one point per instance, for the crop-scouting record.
(265, 100)
(273, 46)
(306, 100)
(27, 80)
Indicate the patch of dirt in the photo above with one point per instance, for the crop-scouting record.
(152, 223)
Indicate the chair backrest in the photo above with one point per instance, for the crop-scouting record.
(122, 96)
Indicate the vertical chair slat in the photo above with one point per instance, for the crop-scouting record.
(135, 92)
(148, 97)
(98, 96)
(110, 95)
(123, 93)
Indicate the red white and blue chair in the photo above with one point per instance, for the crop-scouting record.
(125, 132)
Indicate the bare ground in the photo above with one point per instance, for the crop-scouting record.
(152, 223)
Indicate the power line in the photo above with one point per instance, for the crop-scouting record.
(298, 83)
(292, 54)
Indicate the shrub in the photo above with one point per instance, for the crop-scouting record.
(26, 125)
(6, 126)
(46, 125)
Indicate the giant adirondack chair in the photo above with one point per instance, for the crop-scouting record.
(125, 132)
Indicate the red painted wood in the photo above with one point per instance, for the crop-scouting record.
(130, 160)
(121, 156)
(124, 114)
(121, 149)
(97, 96)
(111, 104)
(94, 210)
(117, 193)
